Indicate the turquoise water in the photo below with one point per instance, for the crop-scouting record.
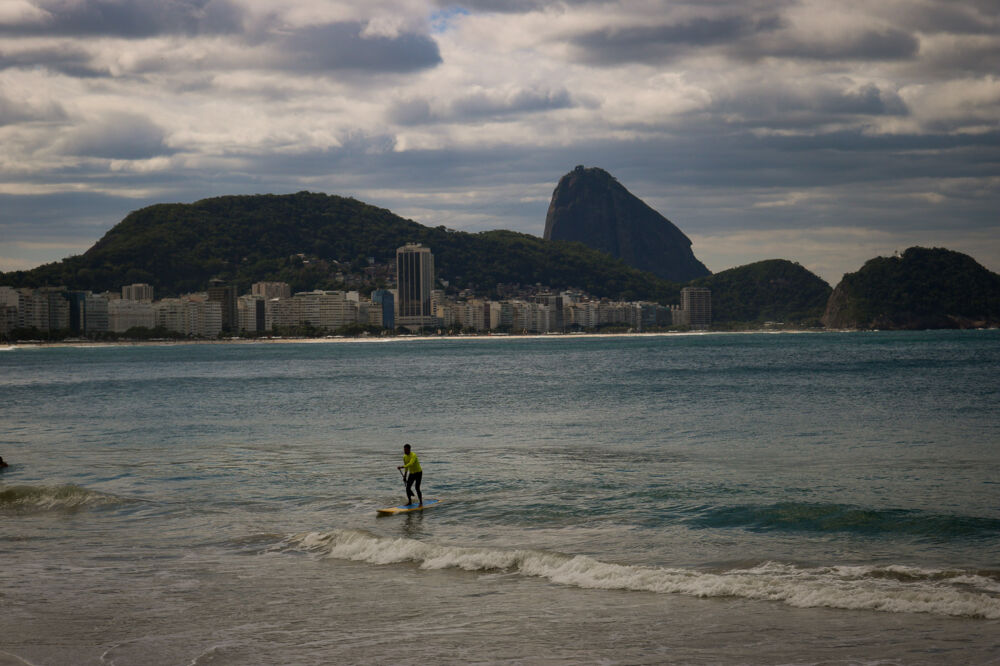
(782, 498)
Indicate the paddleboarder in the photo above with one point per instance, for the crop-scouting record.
(412, 475)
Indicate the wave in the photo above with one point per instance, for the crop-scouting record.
(52, 498)
(804, 517)
(893, 589)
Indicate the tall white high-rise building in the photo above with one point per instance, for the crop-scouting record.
(415, 281)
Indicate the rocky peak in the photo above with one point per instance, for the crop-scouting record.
(590, 206)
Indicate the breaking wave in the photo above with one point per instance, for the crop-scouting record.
(892, 589)
(52, 498)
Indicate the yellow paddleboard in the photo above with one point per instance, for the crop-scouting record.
(406, 508)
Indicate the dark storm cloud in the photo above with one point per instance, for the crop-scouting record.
(775, 106)
(957, 18)
(482, 106)
(512, 6)
(61, 58)
(658, 43)
(711, 160)
(130, 19)
(715, 167)
(888, 44)
(333, 47)
(117, 136)
(869, 100)
(343, 46)
(965, 59)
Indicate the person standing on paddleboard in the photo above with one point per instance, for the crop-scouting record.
(414, 473)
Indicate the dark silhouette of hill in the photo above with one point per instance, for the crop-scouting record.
(178, 248)
(772, 290)
(923, 288)
(591, 207)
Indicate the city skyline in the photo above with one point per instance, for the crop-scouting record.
(270, 308)
(414, 303)
(823, 134)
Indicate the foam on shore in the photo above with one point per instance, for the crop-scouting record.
(892, 589)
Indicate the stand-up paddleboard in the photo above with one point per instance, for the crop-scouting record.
(406, 508)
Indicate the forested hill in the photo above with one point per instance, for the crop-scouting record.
(772, 290)
(922, 288)
(178, 248)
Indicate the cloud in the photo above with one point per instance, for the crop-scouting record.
(14, 111)
(513, 6)
(64, 58)
(957, 18)
(866, 45)
(664, 42)
(741, 31)
(125, 18)
(728, 116)
(186, 35)
(117, 135)
(481, 105)
(805, 106)
(347, 46)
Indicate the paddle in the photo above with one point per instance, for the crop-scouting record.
(403, 474)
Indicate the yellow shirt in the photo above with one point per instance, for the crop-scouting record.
(411, 463)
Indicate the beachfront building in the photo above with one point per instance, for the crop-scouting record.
(696, 302)
(325, 309)
(250, 314)
(383, 310)
(279, 313)
(225, 295)
(124, 314)
(45, 309)
(193, 315)
(88, 313)
(414, 283)
(469, 315)
(8, 309)
(581, 315)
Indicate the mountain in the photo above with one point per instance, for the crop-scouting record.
(591, 207)
(922, 288)
(771, 290)
(296, 238)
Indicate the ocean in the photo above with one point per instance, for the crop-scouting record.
(792, 498)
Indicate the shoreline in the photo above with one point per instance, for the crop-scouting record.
(86, 344)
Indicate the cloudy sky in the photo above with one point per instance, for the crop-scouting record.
(822, 131)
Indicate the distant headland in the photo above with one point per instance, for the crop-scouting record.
(601, 244)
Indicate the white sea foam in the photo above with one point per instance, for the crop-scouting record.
(893, 589)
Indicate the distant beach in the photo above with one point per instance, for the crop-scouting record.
(402, 338)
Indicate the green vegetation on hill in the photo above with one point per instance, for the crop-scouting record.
(296, 238)
(923, 288)
(772, 290)
(312, 240)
